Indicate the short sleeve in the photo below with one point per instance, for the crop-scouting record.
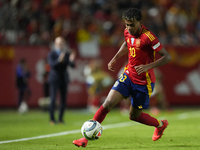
(153, 42)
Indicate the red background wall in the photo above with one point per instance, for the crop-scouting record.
(183, 72)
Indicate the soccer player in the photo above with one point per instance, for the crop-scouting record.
(138, 78)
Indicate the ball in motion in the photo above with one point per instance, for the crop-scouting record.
(91, 130)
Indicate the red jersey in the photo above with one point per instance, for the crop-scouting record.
(142, 50)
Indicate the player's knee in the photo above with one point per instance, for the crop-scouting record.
(107, 105)
(133, 116)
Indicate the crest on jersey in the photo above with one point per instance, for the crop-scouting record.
(132, 40)
(137, 44)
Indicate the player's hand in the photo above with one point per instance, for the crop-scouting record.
(61, 57)
(72, 56)
(111, 64)
(140, 69)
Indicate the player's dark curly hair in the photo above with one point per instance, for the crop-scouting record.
(132, 14)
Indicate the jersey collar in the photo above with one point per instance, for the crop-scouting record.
(139, 32)
(141, 29)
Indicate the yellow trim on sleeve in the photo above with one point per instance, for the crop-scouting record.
(148, 34)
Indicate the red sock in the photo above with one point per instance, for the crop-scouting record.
(145, 118)
(100, 114)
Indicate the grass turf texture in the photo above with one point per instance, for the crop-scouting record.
(183, 132)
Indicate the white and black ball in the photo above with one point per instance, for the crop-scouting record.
(91, 130)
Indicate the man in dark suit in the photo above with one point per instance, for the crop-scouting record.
(59, 58)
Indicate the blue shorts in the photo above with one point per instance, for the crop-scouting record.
(140, 94)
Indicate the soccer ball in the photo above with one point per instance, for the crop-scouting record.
(91, 130)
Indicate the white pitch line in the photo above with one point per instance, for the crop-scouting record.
(117, 125)
(109, 126)
(42, 136)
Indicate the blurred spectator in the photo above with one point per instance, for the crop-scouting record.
(22, 83)
(46, 75)
(44, 101)
(97, 81)
(34, 22)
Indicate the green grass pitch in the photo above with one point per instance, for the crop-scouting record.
(32, 131)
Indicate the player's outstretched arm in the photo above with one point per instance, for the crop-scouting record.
(123, 50)
(166, 57)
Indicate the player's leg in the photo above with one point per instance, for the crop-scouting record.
(136, 114)
(21, 95)
(139, 101)
(53, 91)
(21, 99)
(63, 94)
(112, 99)
(144, 118)
(119, 91)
